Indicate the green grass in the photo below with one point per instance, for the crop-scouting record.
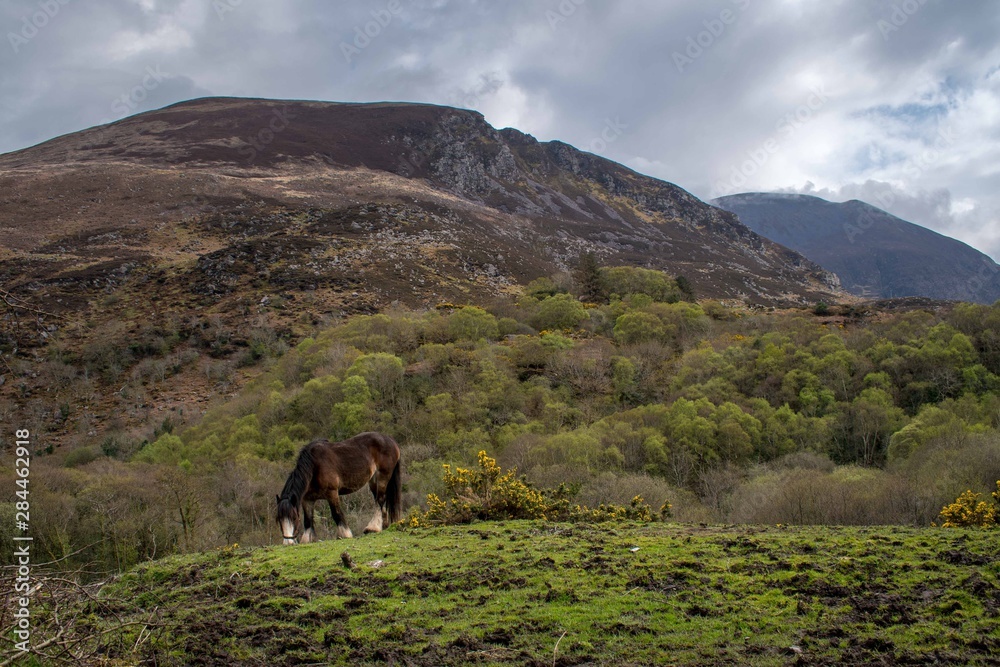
(509, 593)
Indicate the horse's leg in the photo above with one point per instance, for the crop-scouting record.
(343, 530)
(380, 518)
(308, 527)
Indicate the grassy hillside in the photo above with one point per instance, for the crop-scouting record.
(543, 593)
(730, 415)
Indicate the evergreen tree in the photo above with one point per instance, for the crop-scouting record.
(687, 290)
(590, 278)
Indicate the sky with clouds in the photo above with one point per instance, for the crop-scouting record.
(895, 102)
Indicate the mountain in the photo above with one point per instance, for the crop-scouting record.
(163, 255)
(358, 204)
(874, 253)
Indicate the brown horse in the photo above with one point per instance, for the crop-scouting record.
(332, 469)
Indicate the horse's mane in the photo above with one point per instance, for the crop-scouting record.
(299, 478)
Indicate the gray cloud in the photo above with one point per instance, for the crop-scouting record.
(718, 96)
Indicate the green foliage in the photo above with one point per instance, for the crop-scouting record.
(626, 280)
(722, 411)
(540, 288)
(638, 327)
(561, 311)
(590, 278)
(355, 413)
(932, 423)
(472, 323)
(667, 390)
(382, 373)
(686, 288)
(485, 492)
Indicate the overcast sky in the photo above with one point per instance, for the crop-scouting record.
(894, 102)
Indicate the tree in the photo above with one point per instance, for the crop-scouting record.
(473, 323)
(686, 288)
(636, 327)
(382, 372)
(873, 418)
(561, 311)
(590, 278)
(631, 280)
(354, 414)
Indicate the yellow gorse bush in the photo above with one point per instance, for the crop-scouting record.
(489, 493)
(969, 510)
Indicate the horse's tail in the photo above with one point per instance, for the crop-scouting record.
(394, 494)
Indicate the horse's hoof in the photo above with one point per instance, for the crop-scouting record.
(375, 525)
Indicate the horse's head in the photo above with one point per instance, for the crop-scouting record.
(287, 516)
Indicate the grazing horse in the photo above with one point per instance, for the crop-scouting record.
(332, 469)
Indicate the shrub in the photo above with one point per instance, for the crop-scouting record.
(382, 372)
(80, 457)
(482, 493)
(561, 311)
(541, 288)
(969, 510)
(472, 323)
(625, 280)
(488, 493)
(636, 327)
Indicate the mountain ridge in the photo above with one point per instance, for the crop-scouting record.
(563, 201)
(875, 253)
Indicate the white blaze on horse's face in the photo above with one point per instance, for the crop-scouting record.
(288, 531)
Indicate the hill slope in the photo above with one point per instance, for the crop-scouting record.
(874, 254)
(404, 202)
(239, 226)
(541, 594)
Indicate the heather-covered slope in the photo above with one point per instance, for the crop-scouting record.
(394, 201)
